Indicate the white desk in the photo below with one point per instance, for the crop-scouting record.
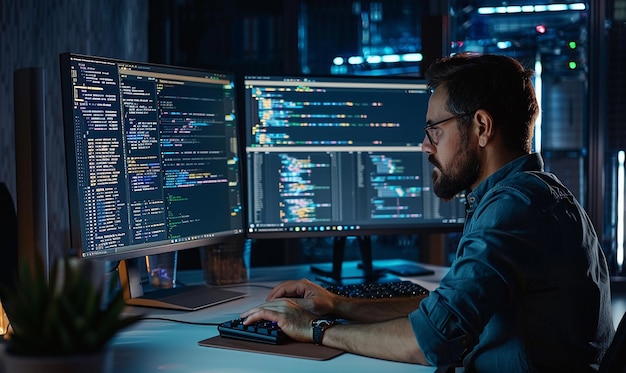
(163, 346)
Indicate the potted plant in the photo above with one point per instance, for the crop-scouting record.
(60, 323)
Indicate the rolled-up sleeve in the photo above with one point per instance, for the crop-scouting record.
(439, 332)
(481, 281)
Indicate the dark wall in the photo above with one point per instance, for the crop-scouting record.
(32, 34)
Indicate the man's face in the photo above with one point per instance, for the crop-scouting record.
(455, 157)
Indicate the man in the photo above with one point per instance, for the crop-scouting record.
(529, 288)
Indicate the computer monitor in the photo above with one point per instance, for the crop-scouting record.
(153, 166)
(339, 156)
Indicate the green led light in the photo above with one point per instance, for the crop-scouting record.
(572, 65)
(572, 45)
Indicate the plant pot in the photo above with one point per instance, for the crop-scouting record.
(100, 362)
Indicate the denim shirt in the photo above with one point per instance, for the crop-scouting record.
(529, 290)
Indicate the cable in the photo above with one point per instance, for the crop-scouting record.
(244, 284)
(181, 321)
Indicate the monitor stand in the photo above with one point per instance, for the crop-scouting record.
(339, 274)
(184, 298)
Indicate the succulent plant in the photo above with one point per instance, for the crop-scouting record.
(65, 315)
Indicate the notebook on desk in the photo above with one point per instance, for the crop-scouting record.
(292, 349)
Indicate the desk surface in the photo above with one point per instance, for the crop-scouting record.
(165, 346)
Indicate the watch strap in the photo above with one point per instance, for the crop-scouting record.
(319, 327)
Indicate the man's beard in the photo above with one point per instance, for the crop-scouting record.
(458, 177)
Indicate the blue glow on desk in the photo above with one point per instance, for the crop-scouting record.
(164, 346)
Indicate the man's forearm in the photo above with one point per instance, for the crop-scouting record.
(390, 340)
(375, 310)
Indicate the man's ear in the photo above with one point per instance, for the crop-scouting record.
(486, 130)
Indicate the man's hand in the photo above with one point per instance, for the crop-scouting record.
(307, 295)
(293, 319)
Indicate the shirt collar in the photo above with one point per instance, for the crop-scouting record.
(528, 162)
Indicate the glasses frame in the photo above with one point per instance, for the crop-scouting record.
(429, 126)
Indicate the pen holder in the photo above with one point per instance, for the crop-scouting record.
(227, 262)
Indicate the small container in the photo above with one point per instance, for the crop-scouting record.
(226, 263)
(161, 269)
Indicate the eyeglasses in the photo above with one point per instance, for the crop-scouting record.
(433, 133)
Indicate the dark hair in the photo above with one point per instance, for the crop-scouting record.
(498, 84)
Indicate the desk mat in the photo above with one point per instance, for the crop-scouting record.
(292, 349)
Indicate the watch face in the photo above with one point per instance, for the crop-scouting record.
(322, 323)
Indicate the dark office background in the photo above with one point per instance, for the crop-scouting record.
(584, 108)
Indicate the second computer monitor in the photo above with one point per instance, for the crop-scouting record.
(339, 156)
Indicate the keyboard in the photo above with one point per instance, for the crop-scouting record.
(269, 332)
(261, 331)
(397, 288)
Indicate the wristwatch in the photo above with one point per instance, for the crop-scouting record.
(319, 327)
